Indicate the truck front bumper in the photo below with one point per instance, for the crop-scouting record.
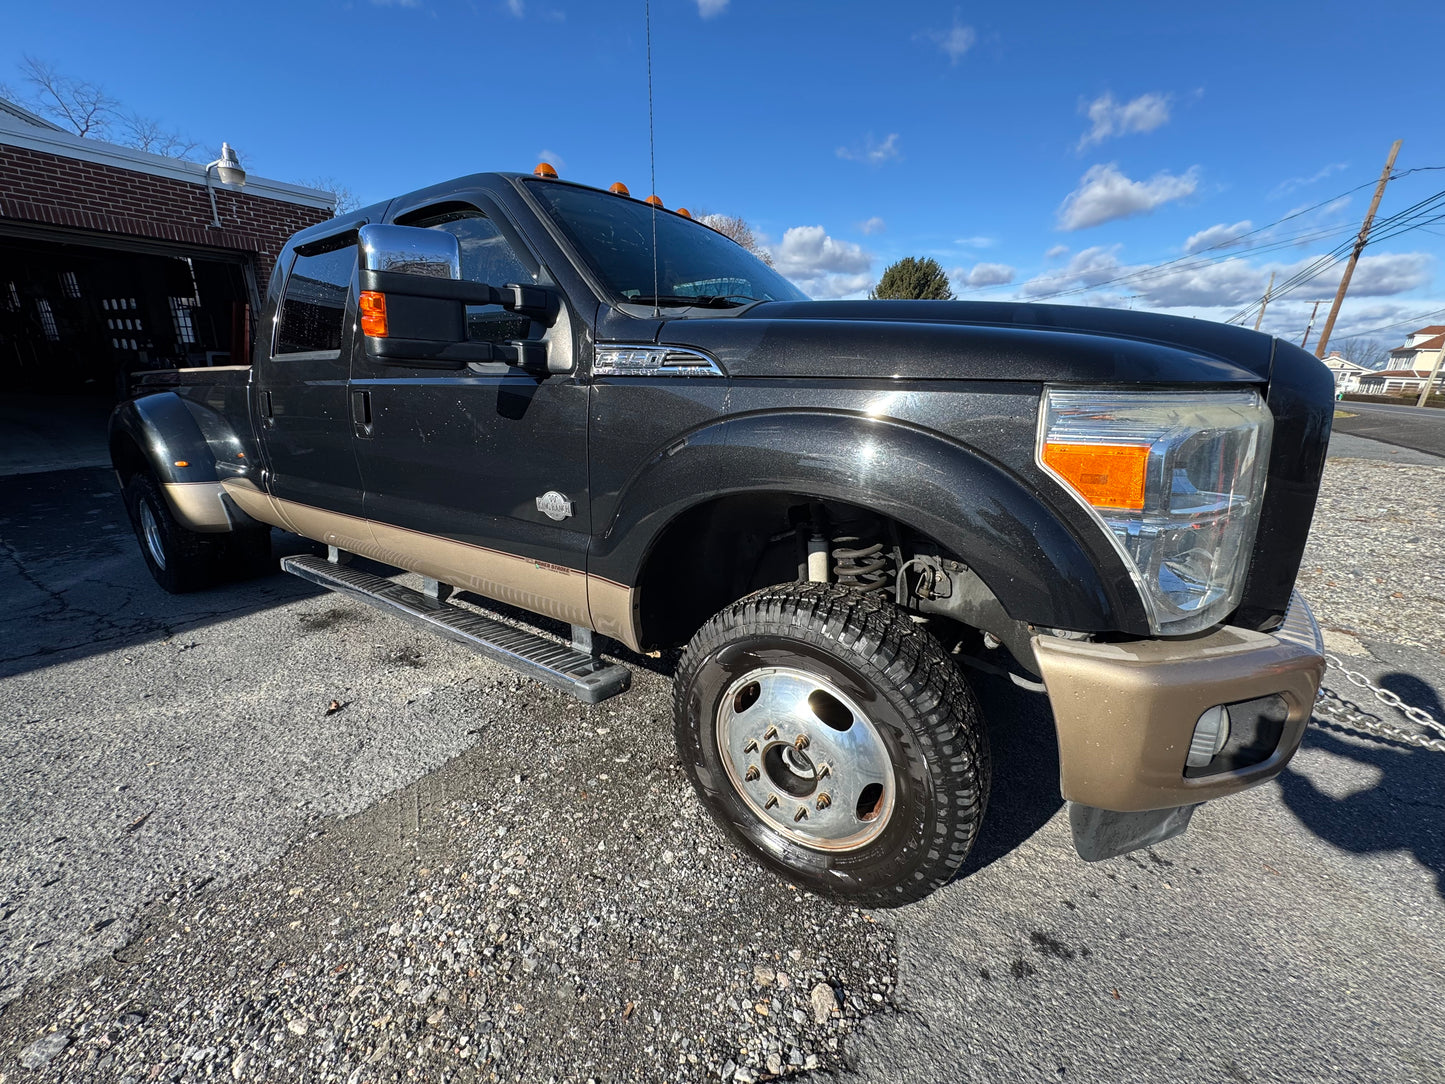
(1126, 712)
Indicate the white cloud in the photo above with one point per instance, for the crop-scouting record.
(872, 152)
(1205, 288)
(1220, 236)
(1089, 267)
(1288, 186)
(976, 242)
(1104, 194)
(1378, 275)
(516, 8)
(1108, 117)
(872, 226)
(552, 158)
(708, 8)
(982, 274)
(820, 265)
(396, 3)
(955, 41)
(1056, 251)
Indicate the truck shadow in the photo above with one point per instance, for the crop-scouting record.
(1025, 794)
(1403, 811)
(73, 583)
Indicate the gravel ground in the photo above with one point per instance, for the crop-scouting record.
(462, 875)
(1375, 565)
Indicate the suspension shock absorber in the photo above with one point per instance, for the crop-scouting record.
(863, 567)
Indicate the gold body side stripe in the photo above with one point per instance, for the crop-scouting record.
(562, 593)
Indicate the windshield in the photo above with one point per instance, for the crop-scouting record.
(696, 265)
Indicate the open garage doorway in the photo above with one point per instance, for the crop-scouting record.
(79, 318)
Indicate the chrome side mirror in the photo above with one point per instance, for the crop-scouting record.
(410, 250)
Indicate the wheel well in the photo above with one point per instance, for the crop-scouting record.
(717, 552)
(127, 458)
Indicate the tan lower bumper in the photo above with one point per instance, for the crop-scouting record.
(1125, 713)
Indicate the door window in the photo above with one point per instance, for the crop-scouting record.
(486, 257)
(313, 310)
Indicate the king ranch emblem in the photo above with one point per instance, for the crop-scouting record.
(554, 505)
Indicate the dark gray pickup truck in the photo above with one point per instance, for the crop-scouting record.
(610, 415)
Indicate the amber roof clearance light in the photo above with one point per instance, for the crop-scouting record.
(544, 169)
(619, 189)
(655, 200)
(682, 211)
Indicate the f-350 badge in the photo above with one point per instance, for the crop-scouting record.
(554, 505)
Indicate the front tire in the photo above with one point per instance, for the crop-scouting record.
(836, 740)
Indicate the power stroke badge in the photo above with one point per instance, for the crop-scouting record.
(554, 505)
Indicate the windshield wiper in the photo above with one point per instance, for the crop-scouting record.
(705, 301)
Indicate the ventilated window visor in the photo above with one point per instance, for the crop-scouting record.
(1176, 478)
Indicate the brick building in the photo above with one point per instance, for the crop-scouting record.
(111, 261)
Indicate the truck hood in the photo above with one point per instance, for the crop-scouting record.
(943, 340)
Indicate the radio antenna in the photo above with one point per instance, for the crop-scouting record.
(652, 160)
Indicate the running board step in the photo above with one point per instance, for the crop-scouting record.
(559, 665)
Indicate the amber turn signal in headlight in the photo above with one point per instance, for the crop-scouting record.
(1105, 475)
(1175, 478)
(373, 313)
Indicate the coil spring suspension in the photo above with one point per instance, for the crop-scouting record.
(863, 568)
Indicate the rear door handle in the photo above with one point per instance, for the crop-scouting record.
(361, 414)
(268, 415)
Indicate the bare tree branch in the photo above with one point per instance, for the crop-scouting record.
(739, 231)
(82, 105)
(145, 134)
(346, 199)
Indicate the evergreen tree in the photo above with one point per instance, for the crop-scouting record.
(911, 279)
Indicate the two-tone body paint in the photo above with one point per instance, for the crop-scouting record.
(924, 411)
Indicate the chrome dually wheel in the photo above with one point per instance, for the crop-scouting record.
(805, 758)
(835, 740)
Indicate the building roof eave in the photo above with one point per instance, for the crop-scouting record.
(16, 132)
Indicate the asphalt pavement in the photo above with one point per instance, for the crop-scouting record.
(1420, 428)
(263, 831)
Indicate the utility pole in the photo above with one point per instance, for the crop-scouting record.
(1265, 303)
(1425, 391)
(1359, 247)
(1313, 312)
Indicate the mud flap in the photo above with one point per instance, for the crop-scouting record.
(1102, 833)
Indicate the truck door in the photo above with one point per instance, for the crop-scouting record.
(479, 475)
(300, 391)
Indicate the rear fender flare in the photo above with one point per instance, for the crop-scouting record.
(990, 519)
(185, 445)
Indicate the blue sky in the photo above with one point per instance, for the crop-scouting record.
(1030, 149)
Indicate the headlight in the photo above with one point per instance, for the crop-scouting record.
(1176, 479)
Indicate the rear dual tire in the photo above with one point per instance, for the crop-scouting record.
(835, 740)
(181, 560)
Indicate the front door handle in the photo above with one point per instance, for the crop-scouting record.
(361, 414)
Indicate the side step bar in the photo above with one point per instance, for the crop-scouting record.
(562, 666)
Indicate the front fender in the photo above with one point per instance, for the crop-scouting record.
(1027, 556)
(190, 448)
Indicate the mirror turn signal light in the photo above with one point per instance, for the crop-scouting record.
(619, 189)
(544, 169)
(372, 306)
(1105, 475)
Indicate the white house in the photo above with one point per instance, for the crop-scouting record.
(1422, 349)
(1346, 372)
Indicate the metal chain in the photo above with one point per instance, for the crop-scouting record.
(1334, 710)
